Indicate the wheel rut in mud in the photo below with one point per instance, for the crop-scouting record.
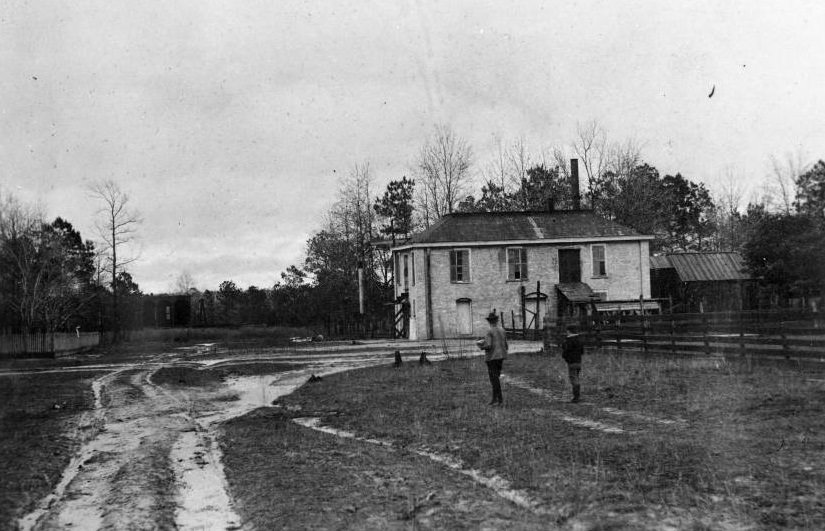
(150, 456)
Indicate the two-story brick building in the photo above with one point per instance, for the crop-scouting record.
(518, 263)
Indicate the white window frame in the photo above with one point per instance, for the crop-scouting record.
(524, 263)
(593, 262)
(467, 267)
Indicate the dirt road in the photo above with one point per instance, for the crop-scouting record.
(149, 457)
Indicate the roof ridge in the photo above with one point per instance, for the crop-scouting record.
(524, 212)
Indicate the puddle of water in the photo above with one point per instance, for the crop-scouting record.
(203, 502)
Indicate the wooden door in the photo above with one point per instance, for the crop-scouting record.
(570, 266)
(464, 318)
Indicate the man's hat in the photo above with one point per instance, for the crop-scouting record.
(492, 318)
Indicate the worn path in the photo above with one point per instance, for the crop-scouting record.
(150, 457)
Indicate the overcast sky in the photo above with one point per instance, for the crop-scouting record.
(228, 123)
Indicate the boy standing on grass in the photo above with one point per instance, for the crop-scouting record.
(571, 351)
(495, 349)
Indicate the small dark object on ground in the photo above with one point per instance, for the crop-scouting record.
(398, 360)
(423, 359)
(314, 379)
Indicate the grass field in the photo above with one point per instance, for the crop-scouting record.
(38, 435)
(702, 445)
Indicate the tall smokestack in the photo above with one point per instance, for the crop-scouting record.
(574, 184)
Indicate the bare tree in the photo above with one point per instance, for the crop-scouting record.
(623, 157)
(780, 187)
(496, 170)
(116, 226)
(353, 214)
(520, 160)
(508, 167)
(727, 198)
(590, 146)
(443, 166)
(184, 283)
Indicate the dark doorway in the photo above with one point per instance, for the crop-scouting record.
(182, 310)
(570, 266)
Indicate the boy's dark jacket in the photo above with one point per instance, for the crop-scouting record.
(572, 349)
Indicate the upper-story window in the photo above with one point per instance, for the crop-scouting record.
(599, 261)
(460, 265)
(516, 263)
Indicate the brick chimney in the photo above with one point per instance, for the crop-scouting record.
(574, 184)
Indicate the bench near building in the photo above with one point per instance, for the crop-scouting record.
(528, 266)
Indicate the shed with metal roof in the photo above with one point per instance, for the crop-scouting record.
(714, 281)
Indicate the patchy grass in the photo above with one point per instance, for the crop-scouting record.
(749, 452)
(35, 442)
(283, 476)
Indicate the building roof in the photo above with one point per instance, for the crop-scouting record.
(486, 227)
(576, 291)
(703, 267)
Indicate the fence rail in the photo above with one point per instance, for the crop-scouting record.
(46, 344)
(787, 334)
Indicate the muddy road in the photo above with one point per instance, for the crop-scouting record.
(149, 457)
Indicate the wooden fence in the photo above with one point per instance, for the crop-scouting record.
(787, 334)
(46, 344)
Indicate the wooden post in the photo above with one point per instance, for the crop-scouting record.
(643, 321)
(672, 335)
(741, 334)
(644, 336)
(706, 333)
(523, 313)
(538, 308)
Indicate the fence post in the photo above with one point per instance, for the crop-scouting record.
(618, 334)
(644, 335)
(742, 350)
(672, 335)
(538, 308)
(786, 348)
(706, 333)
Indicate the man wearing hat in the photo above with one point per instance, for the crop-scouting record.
(571, 351)
(495, 347)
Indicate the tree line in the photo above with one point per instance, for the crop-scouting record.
(52, 278)
(781, 234)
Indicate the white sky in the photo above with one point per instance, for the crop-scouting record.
(228, 123)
